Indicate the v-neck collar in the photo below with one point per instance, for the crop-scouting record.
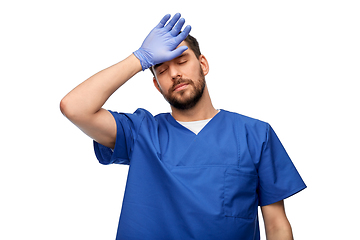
(175, 123)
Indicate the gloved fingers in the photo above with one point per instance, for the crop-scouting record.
(173, 21)
(177, 52)
(175, 31)
(163, 21)
(181, 37)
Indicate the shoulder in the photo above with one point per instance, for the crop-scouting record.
(253, 131)
(246, 121)
(139, 114)
(135, 121)
(140, 117)
(161, 116)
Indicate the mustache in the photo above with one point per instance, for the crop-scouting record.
(181, 81)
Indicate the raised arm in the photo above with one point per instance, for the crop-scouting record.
(83, 105)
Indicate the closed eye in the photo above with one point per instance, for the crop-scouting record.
(162, 70)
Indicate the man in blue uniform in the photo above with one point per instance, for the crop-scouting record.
(197, 172)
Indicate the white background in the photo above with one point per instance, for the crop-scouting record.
(292, 64)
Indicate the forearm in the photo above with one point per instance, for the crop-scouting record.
(277, 226)
(91, 95)
(283, 233)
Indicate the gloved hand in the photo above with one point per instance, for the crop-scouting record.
(160, 45)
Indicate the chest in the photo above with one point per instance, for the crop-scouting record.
(214, 145)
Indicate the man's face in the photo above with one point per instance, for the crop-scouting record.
(181, 80)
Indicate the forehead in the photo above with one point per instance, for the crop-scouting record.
(183, 43)
(187, 52)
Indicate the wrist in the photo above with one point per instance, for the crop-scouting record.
(144, 58)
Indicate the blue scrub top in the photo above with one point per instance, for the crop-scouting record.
(207, 186)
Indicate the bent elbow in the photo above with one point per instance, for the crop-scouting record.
(73, 112)
(64, 106)
(66, 109)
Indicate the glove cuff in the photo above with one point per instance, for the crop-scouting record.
(144, 57)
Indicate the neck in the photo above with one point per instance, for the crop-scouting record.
(201, 111)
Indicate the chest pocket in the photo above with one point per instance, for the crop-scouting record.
(240, 199)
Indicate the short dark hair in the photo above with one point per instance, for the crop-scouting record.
(193, 44)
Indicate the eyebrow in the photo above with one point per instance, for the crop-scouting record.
(182, 55)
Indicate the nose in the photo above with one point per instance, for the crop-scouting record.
(174, 72)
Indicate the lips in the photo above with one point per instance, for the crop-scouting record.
(180, 86)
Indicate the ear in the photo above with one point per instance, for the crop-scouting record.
(204, 64)
(156, 84)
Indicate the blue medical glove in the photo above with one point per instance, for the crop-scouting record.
(160, 45)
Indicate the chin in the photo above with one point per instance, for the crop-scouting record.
(185, 102)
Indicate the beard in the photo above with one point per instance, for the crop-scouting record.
(189, 97)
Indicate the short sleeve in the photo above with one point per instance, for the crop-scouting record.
(127, 126)
(278, 177)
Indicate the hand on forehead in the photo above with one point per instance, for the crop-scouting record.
(164, 42)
